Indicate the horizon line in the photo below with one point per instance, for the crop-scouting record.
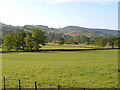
(62, 27)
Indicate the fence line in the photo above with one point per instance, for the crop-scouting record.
(35, 83)
(40, 83)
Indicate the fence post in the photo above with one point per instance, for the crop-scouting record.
(19, 85)
(4, 83)
(35, 85)
(58, 87)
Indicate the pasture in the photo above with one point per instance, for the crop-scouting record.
(68, 46)
(84, 69)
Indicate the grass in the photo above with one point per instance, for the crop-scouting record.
(84, 69)
(68, 46)
(72, 46)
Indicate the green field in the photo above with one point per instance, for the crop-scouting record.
(68, 46)
(84, 69)
(72, 46)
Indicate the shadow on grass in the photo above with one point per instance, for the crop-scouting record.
(56, 50)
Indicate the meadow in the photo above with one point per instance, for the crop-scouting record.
(84, 69)
(68, 46)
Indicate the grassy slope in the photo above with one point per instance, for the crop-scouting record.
(82, 69)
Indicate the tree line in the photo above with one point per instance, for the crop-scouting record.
(34, 40)
(24, 40)
(113, 41)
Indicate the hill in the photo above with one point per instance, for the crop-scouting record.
(70, 30)
(93, 30)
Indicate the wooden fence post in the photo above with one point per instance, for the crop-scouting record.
(35, 85)
(58, 87)
(19, 84)
(4, 83)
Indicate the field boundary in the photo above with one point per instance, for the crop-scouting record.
(35, 83)
(63, 50)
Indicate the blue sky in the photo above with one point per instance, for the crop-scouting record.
(60, 13)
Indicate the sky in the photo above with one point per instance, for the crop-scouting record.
(60, 13)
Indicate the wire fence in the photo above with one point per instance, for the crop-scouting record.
(35, 84)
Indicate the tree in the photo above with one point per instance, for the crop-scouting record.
(101, 42)
(16, 42)
(39, 38)
(8, 42)
(117, 42)
(51, 36)
(0, 41)
(77, 39)
(60, 40)
(84, 39)
(29, 41)
(69, 40)
(111, 40)
(22, 41)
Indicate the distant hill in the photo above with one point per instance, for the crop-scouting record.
(75, 30)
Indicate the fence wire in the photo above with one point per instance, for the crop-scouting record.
(38, 85)
(35, 84)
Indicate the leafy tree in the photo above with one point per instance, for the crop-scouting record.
(111, 40)
(101, 42)
(22, 41)
(84, 39)
(60, 40)
(81, 39)
(51, 36)
(0, 41)
(69, 40)
(8, 41)
(29, 41)
(117, 42)
(39, 38)
(16, 41)
(77, 39)
(92, 40)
